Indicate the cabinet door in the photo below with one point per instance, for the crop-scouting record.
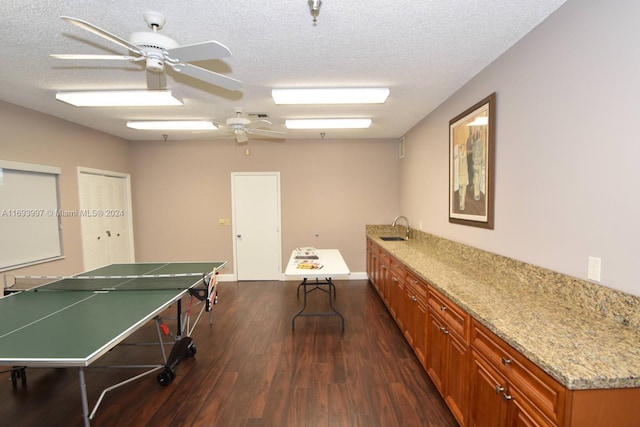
(420, 334)
(457, 378)
(521, 413)
(396, 291)
(436, 356)
(376, 268)
(416, 305)
(409, 307)
(371, 256)
(487, 406)
(383, 260)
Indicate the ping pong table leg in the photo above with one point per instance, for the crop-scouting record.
(85, 401)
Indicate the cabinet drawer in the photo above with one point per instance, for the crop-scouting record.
(537, 386)
(456, 319)
(418, 287)
(397, 268)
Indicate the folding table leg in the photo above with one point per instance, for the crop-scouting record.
(85, 401)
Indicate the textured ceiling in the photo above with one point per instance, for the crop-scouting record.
(422, 50)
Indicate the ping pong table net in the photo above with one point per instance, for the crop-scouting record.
(13, 284)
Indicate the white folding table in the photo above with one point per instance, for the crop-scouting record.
(332, 265)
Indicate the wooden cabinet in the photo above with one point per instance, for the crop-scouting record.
(485, 381)
(395, 292)
(372, 257)
(383, 275)
(415, 307)
(447, 358)
(507, 390)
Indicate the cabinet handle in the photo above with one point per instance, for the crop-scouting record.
(499, 389)
(414, 299)
(506, 361)
(443, 307)
(507, 396)
(444, 330)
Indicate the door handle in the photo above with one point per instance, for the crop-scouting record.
(239, 236)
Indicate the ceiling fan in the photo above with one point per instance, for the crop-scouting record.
(242, 127)
(159, 51)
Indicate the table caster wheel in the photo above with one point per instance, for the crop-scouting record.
(191, 350)
(166, 377)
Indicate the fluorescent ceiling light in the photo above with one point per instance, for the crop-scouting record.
(172, 125)
(330, 96)
(327, 123)
(119, 98)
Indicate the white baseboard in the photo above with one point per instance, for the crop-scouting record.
(352, 276)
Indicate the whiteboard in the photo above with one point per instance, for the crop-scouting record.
(29, 214)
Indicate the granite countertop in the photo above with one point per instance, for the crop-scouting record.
(562, 327)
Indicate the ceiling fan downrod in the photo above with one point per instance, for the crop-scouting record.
(314, 5)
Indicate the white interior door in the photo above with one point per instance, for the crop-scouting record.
(256, 225)
(105, 218)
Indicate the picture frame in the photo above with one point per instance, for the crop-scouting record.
(472, 165)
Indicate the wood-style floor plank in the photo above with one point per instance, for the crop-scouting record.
(252, 370)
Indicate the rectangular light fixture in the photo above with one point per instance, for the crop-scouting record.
(172, 125)
(119, 98)
(330, 96)
(327, 123)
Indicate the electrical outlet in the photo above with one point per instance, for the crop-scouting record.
(593, 272)
(220, 221)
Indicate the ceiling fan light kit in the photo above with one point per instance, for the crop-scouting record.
(119, 98)
(298, 96)
(241, 127)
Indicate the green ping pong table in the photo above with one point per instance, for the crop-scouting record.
(73, 321)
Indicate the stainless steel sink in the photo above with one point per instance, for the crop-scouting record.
(392, 238)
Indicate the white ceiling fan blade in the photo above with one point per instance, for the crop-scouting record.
(156, 80)
(241, 136)
(207, 76)
(262, 123)
(102, 33)
(89, 56)
(267, 133)
(204, 51)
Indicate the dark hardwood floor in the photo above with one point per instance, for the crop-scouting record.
(252, 370)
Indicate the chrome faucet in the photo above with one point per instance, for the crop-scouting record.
(406, 222)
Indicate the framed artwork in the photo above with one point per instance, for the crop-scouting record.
(472, 165)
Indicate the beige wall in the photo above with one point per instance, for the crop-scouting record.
(566, 152)
(331, 188)
(180, 189)
(31, 137)
(566, 164)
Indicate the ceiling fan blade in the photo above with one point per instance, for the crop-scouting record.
(89, 56)
(268, 133)
(204, 51)
(104, 34)
(241, 136)
(262, 123)
(207, 76)
(156, 80)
